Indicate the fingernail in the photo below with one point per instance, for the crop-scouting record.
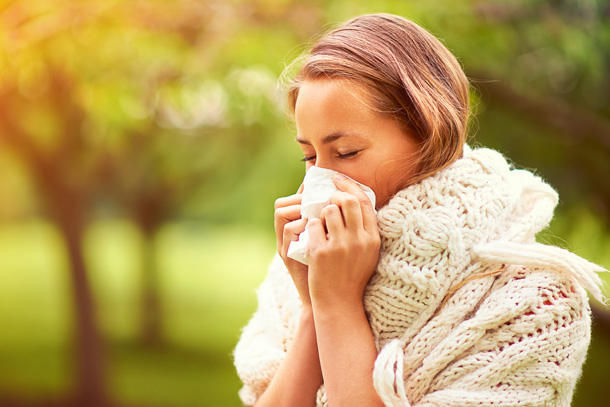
(339, 177)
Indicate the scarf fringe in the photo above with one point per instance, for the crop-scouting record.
(540, 255)
(388, 375)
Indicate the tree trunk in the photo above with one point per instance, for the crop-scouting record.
(151, 329)
(67, 205)
(148, 210)
(90, 383)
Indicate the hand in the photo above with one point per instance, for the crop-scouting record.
(344, 247)
(288, 227)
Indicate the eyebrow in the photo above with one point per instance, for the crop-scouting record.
(327, 139)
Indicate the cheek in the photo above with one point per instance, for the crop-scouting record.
(376, 182)
(385, 182)
(382, 193)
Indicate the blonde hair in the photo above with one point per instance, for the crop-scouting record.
(408, 74)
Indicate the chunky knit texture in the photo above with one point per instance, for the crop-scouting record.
(465, 307)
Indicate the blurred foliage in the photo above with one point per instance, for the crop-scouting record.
(140, 99)
(162, 92)
(125, 118)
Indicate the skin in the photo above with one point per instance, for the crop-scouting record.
(333, 344)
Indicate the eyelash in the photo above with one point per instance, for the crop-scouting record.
(340, 156)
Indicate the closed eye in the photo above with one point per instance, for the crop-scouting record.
(305, 159)
(348, 155)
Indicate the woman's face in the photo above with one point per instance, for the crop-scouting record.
(337, 129)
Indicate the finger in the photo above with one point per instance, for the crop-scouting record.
(369, 217)
(350, 209)
(282, 216)
(331, 217)
(292, 230)
(287, 201)
(317, 234)
(301, 188)
(291, 234)
(285, 215)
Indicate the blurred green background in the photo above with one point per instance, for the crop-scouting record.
(142, 144)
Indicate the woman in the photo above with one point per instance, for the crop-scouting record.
(440, 298)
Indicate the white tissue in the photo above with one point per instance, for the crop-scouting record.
(318, 186)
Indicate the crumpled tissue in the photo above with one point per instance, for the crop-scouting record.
(318, 186)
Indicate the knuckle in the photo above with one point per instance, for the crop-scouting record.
(340, 247)
(329, 209)
(279, 203)
(290, 228)
(351, 201)
(365, 201)
(277, 215)
(285, 201)
(361, 243)
(368, 242)
(361, 246)
(283, 213)
(297, 226)
(373, 236)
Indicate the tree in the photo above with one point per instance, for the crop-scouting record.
(119, 104)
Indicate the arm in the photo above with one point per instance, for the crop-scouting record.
(347, 355)
(344, 249)
(333, 338)
(298, 377)
(262, 347)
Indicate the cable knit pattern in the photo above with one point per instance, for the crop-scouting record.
(466, 309)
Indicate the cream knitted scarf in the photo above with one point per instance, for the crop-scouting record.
(465, 307)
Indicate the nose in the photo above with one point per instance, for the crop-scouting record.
(322, 162)
(329, 164)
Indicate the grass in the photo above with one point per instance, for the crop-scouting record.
(208, 277)
(208, 280)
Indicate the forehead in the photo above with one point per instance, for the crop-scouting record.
(335, 106)
(334, 90)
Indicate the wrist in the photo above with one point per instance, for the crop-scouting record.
(337, 309)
